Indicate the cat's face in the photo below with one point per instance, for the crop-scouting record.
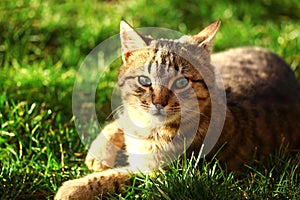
(156, 82)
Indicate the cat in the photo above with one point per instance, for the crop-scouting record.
(167, 89)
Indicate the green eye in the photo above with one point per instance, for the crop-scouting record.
(180, 83)
(144, 81)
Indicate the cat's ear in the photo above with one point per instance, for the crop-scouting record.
(130, 40)
(205, 37)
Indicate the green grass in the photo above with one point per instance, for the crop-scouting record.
(207, 180)
(42, 45)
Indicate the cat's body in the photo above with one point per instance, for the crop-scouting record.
(262, 93)
(160, 83)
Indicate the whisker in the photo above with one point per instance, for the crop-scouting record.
(116, 111)
(173, 109)
(193, 111)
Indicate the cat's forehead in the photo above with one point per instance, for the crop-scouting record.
(165, 50)
(165, 65)
(174, 46)
(165, 58)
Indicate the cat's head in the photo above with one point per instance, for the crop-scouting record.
(159, 77)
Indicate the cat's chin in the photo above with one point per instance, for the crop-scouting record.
(163, 119)
(158, 119)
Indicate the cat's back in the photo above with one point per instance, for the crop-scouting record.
(255, 73)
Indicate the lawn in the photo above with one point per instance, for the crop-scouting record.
(42, 45)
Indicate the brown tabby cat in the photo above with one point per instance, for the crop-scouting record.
(167, 88)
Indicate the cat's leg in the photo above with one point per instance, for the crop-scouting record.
(93, 185)
(103, 151)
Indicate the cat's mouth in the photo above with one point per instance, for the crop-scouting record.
(161, 112)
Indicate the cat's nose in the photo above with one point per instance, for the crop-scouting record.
(159, 106)
(160, 97)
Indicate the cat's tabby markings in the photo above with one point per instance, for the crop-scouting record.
(158, 87)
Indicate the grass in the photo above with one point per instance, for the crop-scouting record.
(207, 180)
(41, 47)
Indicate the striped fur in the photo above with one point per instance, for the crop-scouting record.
(165, 88)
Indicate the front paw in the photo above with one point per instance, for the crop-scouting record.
(74, 189)
(95, 164)
(92, 185)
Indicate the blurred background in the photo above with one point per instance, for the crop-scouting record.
(42, 44)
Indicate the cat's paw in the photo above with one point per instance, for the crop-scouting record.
(92, 185)
(74, 189)
(103, 150)
(95, 164)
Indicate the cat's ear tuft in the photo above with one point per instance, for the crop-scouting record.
(130, 40)
(205, 37)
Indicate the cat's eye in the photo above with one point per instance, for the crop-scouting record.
(144, 81)
(180, 83)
